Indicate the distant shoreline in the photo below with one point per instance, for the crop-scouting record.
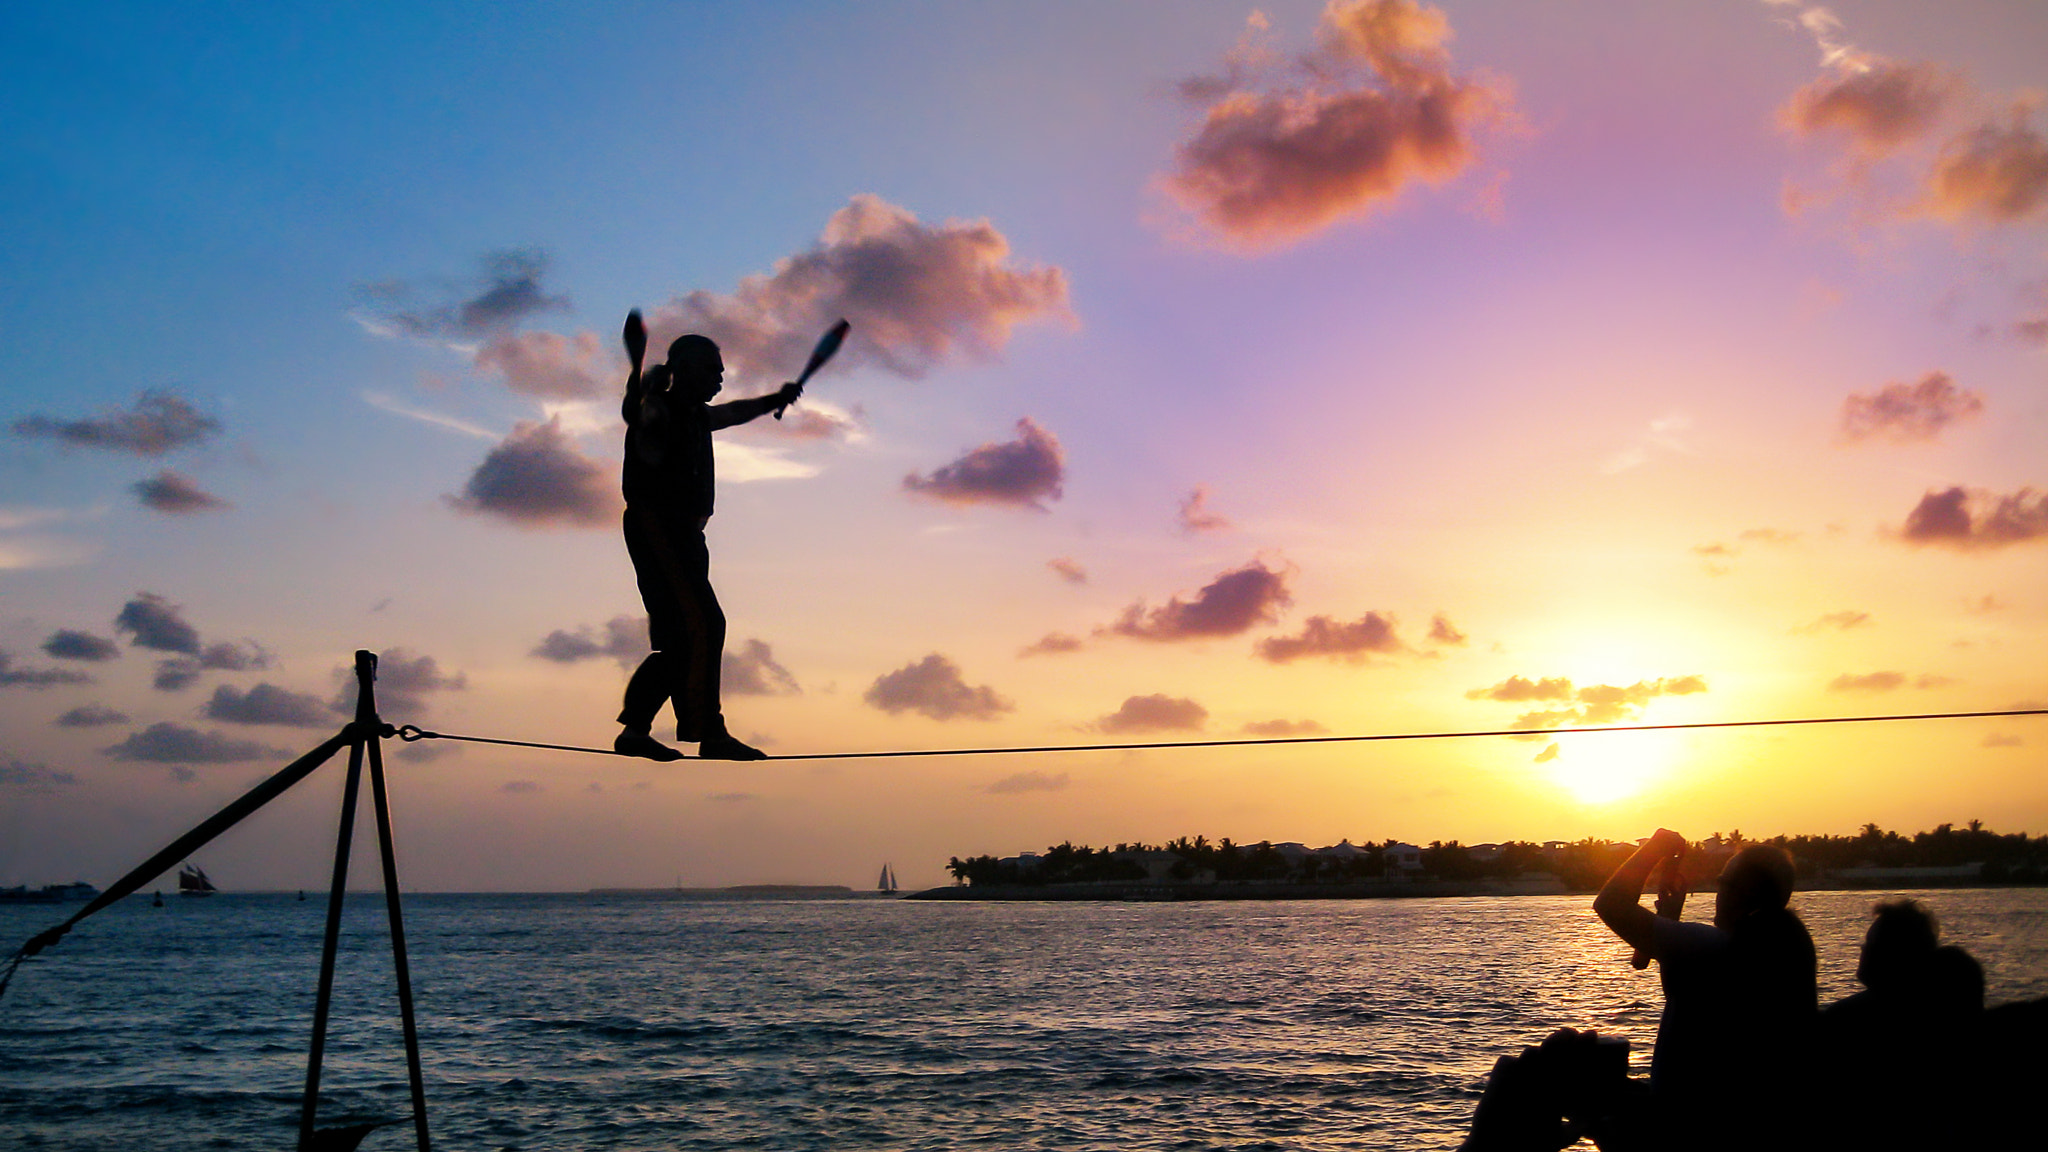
(1143, 892)
(745, 892)
(1130, 891)
(1148, 892)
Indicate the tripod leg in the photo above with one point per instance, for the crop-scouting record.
(331, 942)
(401, 968)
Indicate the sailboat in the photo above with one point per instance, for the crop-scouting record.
(193, 882)
(887, 884)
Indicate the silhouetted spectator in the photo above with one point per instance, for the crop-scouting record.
(2013, 1065)
(1738, 998)
(1902, 1059)
(1731, 1046)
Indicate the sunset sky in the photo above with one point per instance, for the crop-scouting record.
(1215, 371)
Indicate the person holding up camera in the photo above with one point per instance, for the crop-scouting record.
(1739, 1005)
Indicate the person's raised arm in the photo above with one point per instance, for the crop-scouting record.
(1619, 904)
(636, 350)
(740, 411)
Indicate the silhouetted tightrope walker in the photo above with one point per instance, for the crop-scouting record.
(413, 732)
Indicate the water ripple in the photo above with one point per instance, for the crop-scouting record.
(593, 1023)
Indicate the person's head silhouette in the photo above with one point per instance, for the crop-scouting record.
(1902, 937)
(696, 370)
(1758, 879)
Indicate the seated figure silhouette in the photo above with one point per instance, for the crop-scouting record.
(669, 487)
(1902, 1057)
(1738, 1008)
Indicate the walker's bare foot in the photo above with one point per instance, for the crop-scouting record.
(644, 746)
(725, 746)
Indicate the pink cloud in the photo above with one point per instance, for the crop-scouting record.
(1906, 413)
(1442, 631)
(1995, 173)
(1867, 682)
(1841, 621)
(1879, 107)
(1052, 644)
(1020, 473)
(1031, 781)
(1196, 515)
(934, 687)
(754, 671)
(536, 478)
(1516, 689)
(507, 292)
(1068, 569)
(1975, 520)
(175, 493)
(1283, 728)
(812, 420)
(159, 422)
(1989, 167)
(1371, 112)
(1593, 703)
(919, 296)
(1155, 713)
(1370, 634)
(578, 367)
(624, 640)
(1233, 602)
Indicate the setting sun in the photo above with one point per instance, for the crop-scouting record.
(1602, 767)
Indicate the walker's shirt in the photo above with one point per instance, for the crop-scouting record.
(668, 469)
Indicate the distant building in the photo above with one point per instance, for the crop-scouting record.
(1343, 852)
(1158, 866)
(1404, 859)
(1484, 853)
(1294, 852)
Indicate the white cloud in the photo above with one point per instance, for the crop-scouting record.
(1665, 435)
(744, 463)
(396, 407)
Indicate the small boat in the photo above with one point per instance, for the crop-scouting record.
(193, 882)
(886, 885)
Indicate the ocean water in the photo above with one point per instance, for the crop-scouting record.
(585, 1022)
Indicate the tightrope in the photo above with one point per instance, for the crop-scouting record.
(412, 732)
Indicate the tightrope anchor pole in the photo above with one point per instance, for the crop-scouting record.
(367, 733)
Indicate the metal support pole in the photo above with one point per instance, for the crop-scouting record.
(308, 1112)
(401, 969)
